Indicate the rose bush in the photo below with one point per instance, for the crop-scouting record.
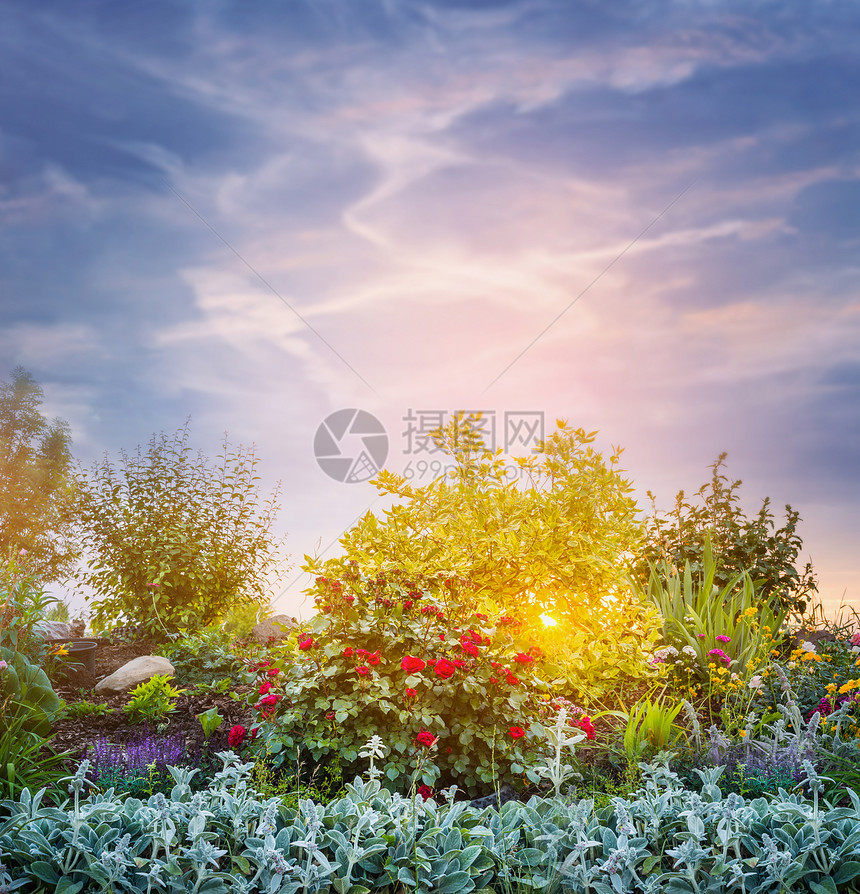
(406, 658)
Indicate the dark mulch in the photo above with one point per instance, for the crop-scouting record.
(78, 734)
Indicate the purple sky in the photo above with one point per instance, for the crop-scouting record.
(426, 187)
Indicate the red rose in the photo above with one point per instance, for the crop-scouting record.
(330, 715)
(517, 732)
(411, 693)
(425, 791)
(445, 668)
(412, 665)
(236, 736)
(264, 688)
(514, 681)
(361, 669)
(273, 671)
(458, 662)
(494, 680)
(348, 652)
(586, 726)
(305, 644)
(522, 658)
(470, 648)
(361, 652)
(270, 700)
(373, 657)
(427, 739)
(254, 732)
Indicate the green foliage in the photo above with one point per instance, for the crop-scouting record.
(555, 540)
(37, 487)
(754, 545)
(664, 838)
(466, 680)
(29, 692)
(23, 603)
(176, 542)
(204, 656)
(702, 616)
(86, 709)
(651, 728)
(152, 700)
(26, 761)
(210, 721)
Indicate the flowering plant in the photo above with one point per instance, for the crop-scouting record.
(408, 659)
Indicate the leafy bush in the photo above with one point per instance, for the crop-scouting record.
(223, 839)
(768, 554)
(406, 659)
(554, 541)
(203, 656)
(174, 539)
(28, 692)
(728, 629)
(152, 700)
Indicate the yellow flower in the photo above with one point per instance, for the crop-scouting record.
(743, 734)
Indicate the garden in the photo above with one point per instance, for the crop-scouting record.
(506, 686)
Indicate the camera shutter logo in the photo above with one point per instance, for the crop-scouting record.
(351, 445)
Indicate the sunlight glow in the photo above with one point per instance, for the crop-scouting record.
(548, 620)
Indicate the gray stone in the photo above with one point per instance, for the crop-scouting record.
(52, 630)
(276, 627)
(138, 670)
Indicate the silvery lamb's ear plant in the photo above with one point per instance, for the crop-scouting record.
(228, 840)
(559, 736)
(374, 750)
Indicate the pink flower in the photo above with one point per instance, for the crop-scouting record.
(719, 653)
(517, 732)
(412, 665)
(426, 738)
(700, 635)
(723, 639)
(855, 640)
(236, 736)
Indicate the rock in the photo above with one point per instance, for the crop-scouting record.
(496, 799)
(48, 630)
(276, 627)
(138, 670)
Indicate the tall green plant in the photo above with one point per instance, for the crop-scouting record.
(37, 484)
(698, 614)
(756, 545)
(176, 542)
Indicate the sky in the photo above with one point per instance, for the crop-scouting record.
(640, 217)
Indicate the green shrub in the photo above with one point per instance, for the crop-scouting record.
(152, 700)
(203, 656)
(174, 539)
(403, 658)
(28, 691)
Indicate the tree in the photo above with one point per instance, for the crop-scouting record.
(739, 543)
(36, 482)
(555, 540)
(174, 541)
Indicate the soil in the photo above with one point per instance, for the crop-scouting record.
(79, 735)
